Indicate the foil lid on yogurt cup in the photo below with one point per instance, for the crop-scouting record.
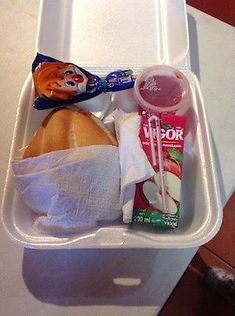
(161, 89)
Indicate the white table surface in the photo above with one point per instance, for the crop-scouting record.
(86, 282)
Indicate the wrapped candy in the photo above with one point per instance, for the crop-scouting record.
(58, 83)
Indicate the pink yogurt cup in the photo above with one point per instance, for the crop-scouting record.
(161, 89)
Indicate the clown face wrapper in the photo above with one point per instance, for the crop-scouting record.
(57, 83)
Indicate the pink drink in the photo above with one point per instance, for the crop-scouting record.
(162, 89)
(159, 90)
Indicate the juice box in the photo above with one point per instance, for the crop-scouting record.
(148, 201)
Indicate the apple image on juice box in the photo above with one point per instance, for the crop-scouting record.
(148, 200)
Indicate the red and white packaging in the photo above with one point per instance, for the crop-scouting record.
(148, 193)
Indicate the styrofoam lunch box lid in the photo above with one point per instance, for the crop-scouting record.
(102, 36)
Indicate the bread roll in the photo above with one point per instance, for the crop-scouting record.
(67, 128)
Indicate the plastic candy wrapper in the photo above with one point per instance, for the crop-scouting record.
(58, 83)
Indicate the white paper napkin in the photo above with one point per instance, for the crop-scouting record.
(71, 189)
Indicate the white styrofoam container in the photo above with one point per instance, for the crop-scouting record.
(102, 36)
